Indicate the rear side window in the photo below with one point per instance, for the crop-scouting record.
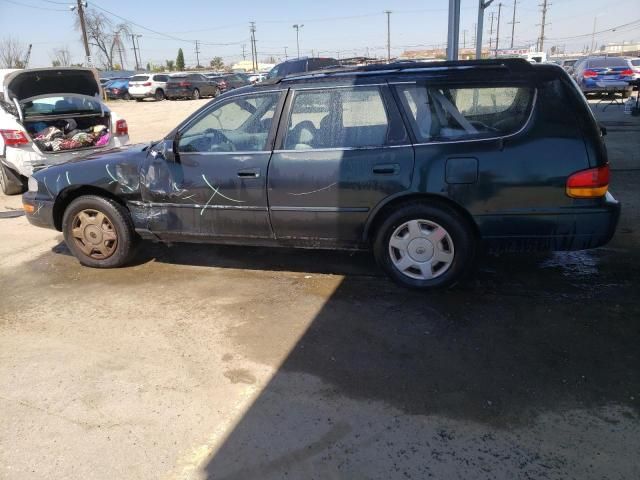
(159, 78)
(337, 118)
(139, 78)
(444, 113)
(635, 62)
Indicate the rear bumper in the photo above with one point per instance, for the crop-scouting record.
(42, 215)
(178, 92)
(577, 230)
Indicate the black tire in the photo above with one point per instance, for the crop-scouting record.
(216, 92)
(159, 95)
(195, 95)
(139, 99)
(120, 221)
(11, 183)
(126, 96)
(626, 94)
(458, 228)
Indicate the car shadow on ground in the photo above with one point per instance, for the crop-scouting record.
(527, 335)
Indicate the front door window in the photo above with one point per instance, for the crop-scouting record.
(239, 125)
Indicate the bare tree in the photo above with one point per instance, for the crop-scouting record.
(61, 57)
(106, 37)
(12, 53)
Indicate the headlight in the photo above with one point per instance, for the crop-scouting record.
(33, 184)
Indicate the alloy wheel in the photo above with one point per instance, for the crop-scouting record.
(421, 249)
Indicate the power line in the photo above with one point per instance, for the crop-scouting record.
(37, 7)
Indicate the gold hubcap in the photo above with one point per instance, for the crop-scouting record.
(93, 234)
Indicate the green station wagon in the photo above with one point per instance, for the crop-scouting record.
(420, 162)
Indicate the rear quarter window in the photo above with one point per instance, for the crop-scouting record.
(159, 78)
(443, 113)
(139, 78)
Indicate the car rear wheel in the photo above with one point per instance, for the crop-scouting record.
(424, 246)
(139, 99)
(11, 182)
(159, 95)
(196, 94)
(126, 96)
(216, 92)
(99, 232)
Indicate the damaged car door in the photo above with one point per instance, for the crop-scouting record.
(213, 184)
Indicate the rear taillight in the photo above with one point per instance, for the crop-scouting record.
(146, 84)
(122, 128)
(14, 138)
(115, 90)
(589, 74)
(590, 183)
(627, 72)
(223, 84)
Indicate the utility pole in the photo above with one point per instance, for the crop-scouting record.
(388, 12)
(197, 55)
(464, 39)
(513, 21)
(135, 52)
(87, 52)
(493, 15)
(482, 6)
(139, 51)
(542, 25)
(453, 30)
(298, 27)
(252, 26)
(593, 35)
(244, 51)
(498, 28)
(285, 53)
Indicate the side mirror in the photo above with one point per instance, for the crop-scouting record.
(165, 150)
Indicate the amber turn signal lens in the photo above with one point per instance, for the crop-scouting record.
(590, 183)
(28, 208)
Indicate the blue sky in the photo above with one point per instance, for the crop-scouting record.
(333, 27)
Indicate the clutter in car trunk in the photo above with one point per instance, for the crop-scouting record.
(69, 134)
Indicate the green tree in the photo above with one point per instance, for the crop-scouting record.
(216, 63)
(148, 67)
(170, 65)
(180, 60)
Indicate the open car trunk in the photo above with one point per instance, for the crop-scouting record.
(66, 122)
(69, 132)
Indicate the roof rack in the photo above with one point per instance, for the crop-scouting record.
(511, 64)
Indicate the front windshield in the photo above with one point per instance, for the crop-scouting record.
(60, 105)
(273, 73)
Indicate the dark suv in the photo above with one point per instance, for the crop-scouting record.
(191, 85)
(420, 162)
(301, 65)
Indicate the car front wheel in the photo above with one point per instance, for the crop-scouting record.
(425, 246)
(196, 94)
(99, 232)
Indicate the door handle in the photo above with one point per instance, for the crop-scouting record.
(249, 173)
(386, 169)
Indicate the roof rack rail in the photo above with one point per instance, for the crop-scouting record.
(512, 64)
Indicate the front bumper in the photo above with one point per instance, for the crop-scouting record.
(38, 212)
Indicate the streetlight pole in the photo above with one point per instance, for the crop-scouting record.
(298, 27)
(482, 6)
